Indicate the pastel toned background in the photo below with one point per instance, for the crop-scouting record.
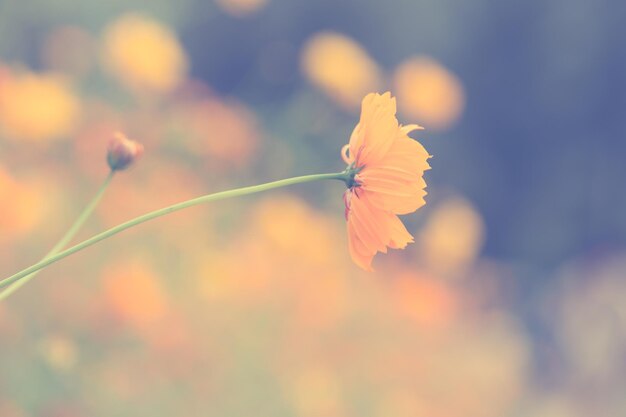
(510, 303)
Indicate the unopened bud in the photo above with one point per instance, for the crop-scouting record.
(123, 152)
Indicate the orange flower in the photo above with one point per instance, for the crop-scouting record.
(387, 169)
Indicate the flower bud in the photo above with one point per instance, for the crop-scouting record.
(122, 152)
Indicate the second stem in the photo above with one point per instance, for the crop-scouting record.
(343, 176)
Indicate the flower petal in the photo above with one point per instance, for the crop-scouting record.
(400, 237)
(410, 128)
(366, 226)
(377, 129)
(393, 191)
(360, 255)
(395, 234)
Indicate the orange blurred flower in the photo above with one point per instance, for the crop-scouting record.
(429, 92)
(222, 129)
(428, 301)
(4, 74)
(452, 237)
(37, 107)
(133, 292)
(22, 207)
(144, 54)
(240, 8)
(340, 67)
(388, 168)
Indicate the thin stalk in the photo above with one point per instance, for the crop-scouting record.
(343, 176)
(67, 237)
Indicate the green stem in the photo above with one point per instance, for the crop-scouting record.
(67, 237)
(343, 176)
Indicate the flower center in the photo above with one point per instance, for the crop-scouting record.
(350, 175)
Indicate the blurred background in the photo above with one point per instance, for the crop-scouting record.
(512, 301)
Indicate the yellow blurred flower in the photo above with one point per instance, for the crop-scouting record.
(275, 251)
(240, 8)
(429, 92)
(340, 67)
(452, 237)
(283, 221)
(143, 54)
(60, 352)
(37, 107)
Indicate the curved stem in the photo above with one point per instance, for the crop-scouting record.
(67, 237)
(343, 176)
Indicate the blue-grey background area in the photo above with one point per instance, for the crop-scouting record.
(540, 148)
